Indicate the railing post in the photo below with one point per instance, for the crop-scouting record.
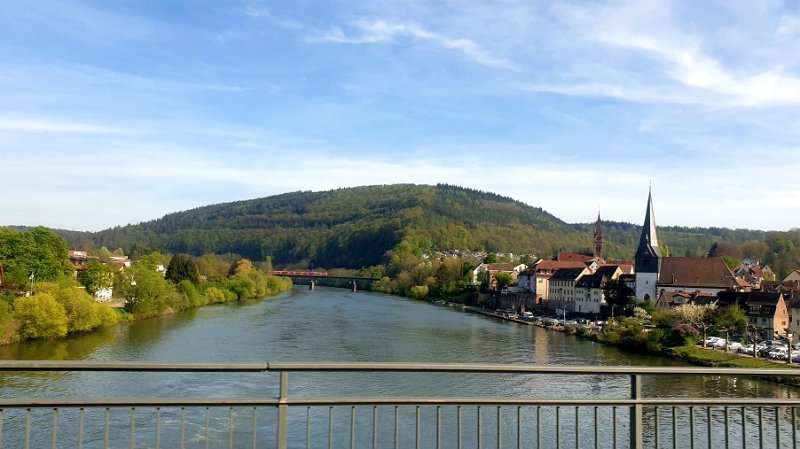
(283, 410)
(636, 412)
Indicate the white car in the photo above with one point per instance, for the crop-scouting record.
(711, 341)
(735, 346)
(779, 354)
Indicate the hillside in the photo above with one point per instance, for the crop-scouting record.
(355, 227)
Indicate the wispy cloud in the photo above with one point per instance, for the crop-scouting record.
(381, 31)
(257, 12)
(644, 28)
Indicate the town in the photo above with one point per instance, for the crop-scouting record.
(577, 285)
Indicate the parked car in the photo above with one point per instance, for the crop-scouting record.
(734, 346)
(779, 354)
(527, 315)
(711, 341)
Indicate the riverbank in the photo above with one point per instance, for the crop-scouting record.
(694, 355)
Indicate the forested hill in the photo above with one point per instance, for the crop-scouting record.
(355, 227)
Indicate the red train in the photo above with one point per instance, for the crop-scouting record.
(299, 273)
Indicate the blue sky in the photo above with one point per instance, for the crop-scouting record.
(119, 112)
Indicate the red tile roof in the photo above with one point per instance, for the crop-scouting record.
(573, 257)
(696, 272)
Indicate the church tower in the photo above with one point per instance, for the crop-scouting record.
(648, 256)
(598, 239)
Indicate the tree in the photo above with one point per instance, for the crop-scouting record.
(81, 309)
(41, 316)
(720, 249)
(618, 294)
(146, 290)
(182, 268)
(241, 266)
(37, 251)
(695, 315)
(490, 259)
(729, 319)
(268, 265)
(754, 250)
(96, 276)
(503, 280)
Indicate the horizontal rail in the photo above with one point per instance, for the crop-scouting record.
(169, 367)
(399, 401)
(43, 365)
(532, 369)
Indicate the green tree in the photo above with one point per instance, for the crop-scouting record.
(241, 266)
(419, 291)
(729, 319)
(96, 276)
(182, 268)
(145, 289)
(618, 294)
(40, 316)
(81, 309)
(503, 280)
(490, 259)
(37, 251)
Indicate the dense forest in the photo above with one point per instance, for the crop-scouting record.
(355, 227)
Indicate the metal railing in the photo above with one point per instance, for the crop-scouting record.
(633, 421)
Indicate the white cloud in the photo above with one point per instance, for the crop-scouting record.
(379, 31)
(645, 28)
(788, 25)
(256, 12)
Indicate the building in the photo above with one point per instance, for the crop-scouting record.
(598, 239)
(648, 256)
(767, 312)
(670, 300)
(562, 288)
(589, 296)
(492, 269)
(544, 270)
(697, 274)
(793, 276)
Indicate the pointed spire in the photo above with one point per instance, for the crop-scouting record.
(648, 243)
(598, 231)
(598, 238)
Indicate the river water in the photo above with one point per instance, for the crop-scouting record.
(339, 326)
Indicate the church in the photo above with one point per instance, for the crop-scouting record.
(656, 274)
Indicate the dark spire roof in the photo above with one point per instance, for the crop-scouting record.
(598, 232)
(648, 244)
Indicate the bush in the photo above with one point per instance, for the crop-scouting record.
(187, 289)
(570, 329)
(214, 295)
(684, 334)
(81, 309)
(419, 291)
(242, 286)
(41, 316)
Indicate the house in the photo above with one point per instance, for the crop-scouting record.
(120, 262)
(751, 274)
(574, 257)
(492, 269)
(767, 312)
(589, 296)
(544, 270)
(79, 259)
(670, 300)
(696, 274)
(793, 276)
(794, 316)
(562, 288)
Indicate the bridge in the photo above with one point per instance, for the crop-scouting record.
(562, 419)
(313, 276)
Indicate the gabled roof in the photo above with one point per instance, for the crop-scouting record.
(567, 274)
(552, 265)
(764, 303)
(607, 270)
(696, 272)
(591, 281)
(574, 257)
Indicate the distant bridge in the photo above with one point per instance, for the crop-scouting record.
(313, 276)
(318, 274)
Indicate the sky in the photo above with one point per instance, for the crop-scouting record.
(120, 112)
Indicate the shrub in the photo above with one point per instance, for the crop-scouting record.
(187, 289)
(214, 295)
(242, 286)
(569, 328)
(684, 334)
(41, 316)
(419, 291)
(81, 309)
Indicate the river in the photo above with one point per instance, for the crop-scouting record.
(331, 325)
